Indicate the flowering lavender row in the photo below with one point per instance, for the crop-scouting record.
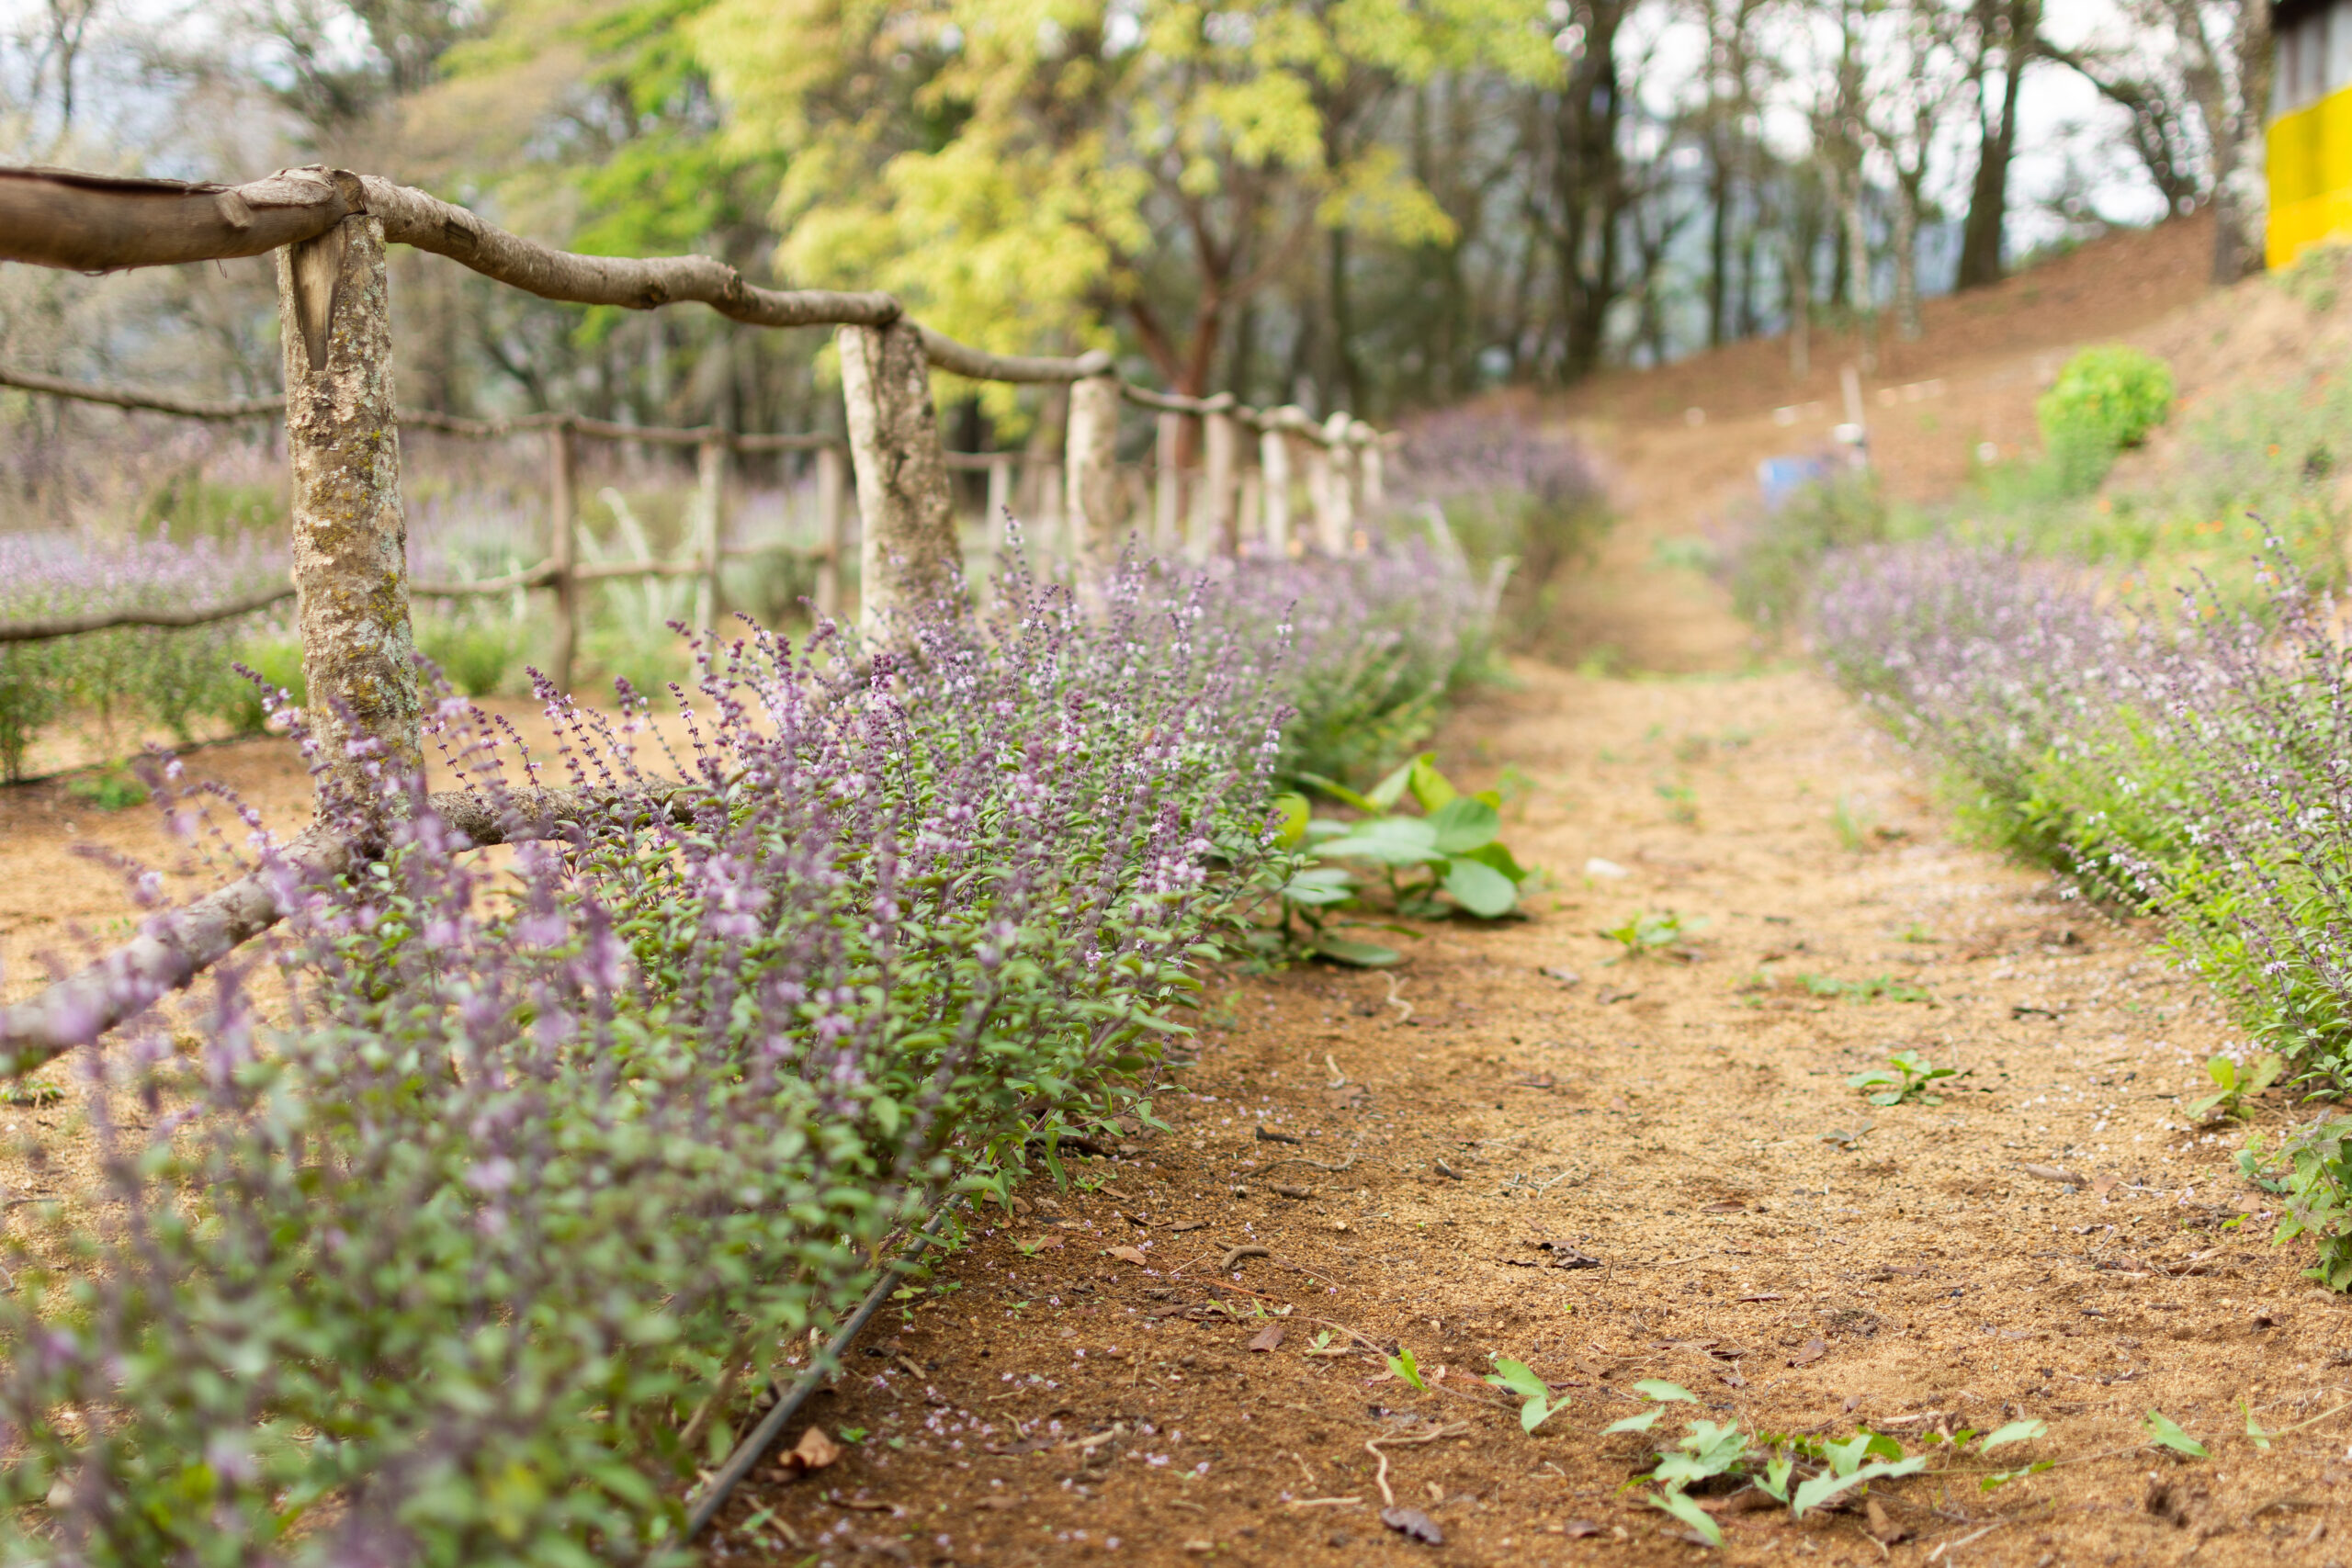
(132, 675)
(444, 1253)
(2194, 759)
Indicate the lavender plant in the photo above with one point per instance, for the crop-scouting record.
(132, 676)
(2191, 762)
(1504, 490)
(1365, 650)
(431, 1265)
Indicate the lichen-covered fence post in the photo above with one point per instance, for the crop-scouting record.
(710, 528)
(832, 502)
(1335, 493)
(350, 535)
(1094, 498)
(563, 546)
(1167, 483)
(1274, 469)
(1372, 469)
(1220, 453)
(910, 560)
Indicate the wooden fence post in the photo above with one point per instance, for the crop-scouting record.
(1166, 484)
(1093, 475)
(1371, 467)
(710, 492)
(1335, 508)
(831, 473)
(1274, 467)
(1221, 444)
(350, 535)
(1000, 493)
(909, 562)
(563, 546)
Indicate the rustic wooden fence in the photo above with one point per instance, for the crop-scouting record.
(328, 228)
(1226, 505)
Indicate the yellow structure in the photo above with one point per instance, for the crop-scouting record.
(2308, 146)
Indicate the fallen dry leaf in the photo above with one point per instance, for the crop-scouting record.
(1130, 1254)
(1180, 1226)
(1267, 1338)
(1577, 1529)
(1553, 972)
(1413, 1524)
(1281, 1190)
(2103, 1186)
(815, 1450)
(1882, 1526)
(1814, 1348)
(1346, 1097)
(2055, 1173)
(1041, 1243)
(1726, 1207)
(1534, 1080)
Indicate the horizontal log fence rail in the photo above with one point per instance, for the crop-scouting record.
(328, 230)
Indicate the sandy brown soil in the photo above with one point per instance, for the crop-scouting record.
(1673, 1121)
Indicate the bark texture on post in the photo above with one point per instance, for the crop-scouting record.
(1093, 475)
(1221, 452)
(1335, 502)
(832, 497)
(1167, 483)
(563, 546)
(710, 496)
(999, 495)
(350, 535)
(1274, 467)
(909, 560)
(1372, 467)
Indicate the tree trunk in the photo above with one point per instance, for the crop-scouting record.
(2239, 200)
(1988, 202)
(1907, 325)
(911, 563)
(350, 535)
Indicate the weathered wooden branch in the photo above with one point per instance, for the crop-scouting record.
(139, 397)
(106, 620)
(412, 218)
(172, 949)
(981, 366)
(98, 223)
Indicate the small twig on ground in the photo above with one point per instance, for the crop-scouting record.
(1404, 1009)
(1323, 1502)
(1246, 1249)
(1371, 1447)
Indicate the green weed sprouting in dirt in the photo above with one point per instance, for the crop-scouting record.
(2233, 1087)
(1452, 851)
(2162, 1429)
(1644, 934)
(1518, 1379)
(1853, 821)
(1905, 1078)
(1879, 988)
(1403, 1365)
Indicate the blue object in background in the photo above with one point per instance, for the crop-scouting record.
(1781, 478)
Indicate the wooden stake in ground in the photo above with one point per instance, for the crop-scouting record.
(1094, 509)
(1221, 445)
(910, 560)
(830, 496)
(350, 533)
(563, 546)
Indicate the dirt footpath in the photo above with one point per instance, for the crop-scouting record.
(1622, 1170)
